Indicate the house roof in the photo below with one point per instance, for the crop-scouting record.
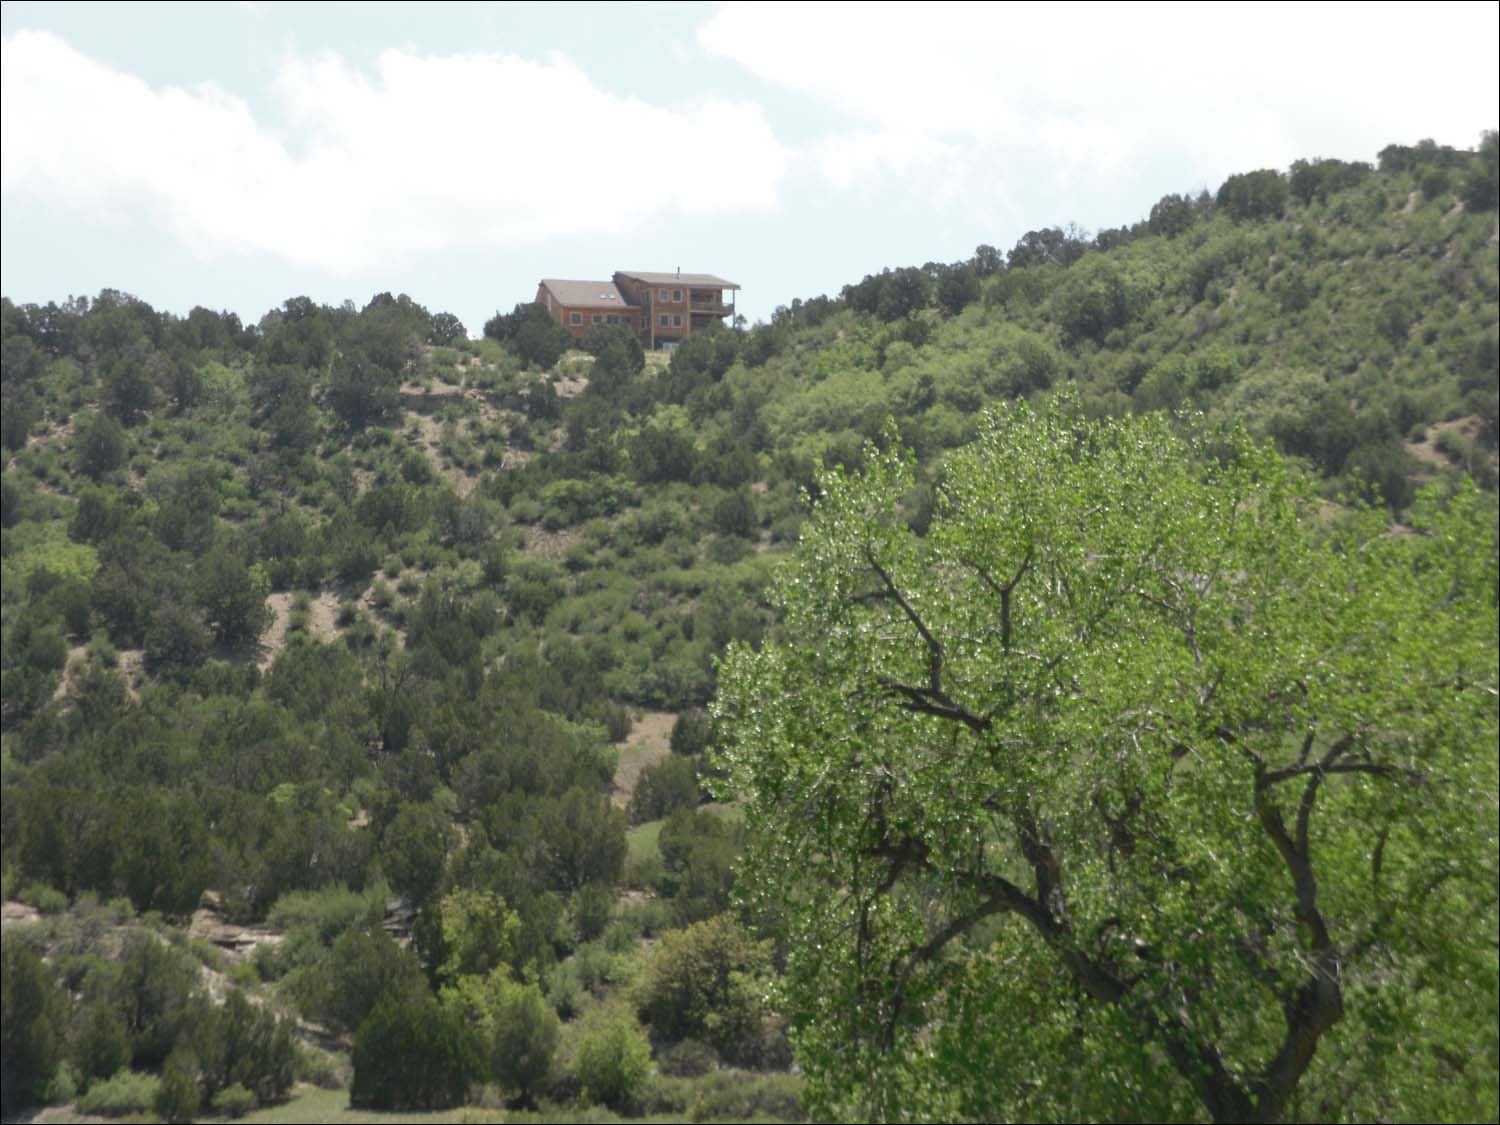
(586, 294)
(702, 280)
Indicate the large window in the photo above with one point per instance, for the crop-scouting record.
(612, 318)
(596, 319)
(661, 295)
(665, 320)
(676, 320)
(575, 318)
(677, 295)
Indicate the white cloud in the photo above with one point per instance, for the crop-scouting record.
(427, 152)
(1094, 90)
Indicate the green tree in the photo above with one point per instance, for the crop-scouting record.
(530, 330)
(708, 982)
(34, 1008)
(1130, 790)
(446, 330)
(517, 1031)
(476, 934)
(1254, 195)
(232, 596)
(412, 1053)
(613, 1061)
(360, 968)
(101, 445)
(363, 384)
(416, 850)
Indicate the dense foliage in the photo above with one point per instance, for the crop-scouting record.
(1133, 742)
(346, 624)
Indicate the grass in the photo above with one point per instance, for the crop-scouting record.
(643, 842)
(310, 1105)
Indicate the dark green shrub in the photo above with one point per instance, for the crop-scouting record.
(706, 982)
(662, 789)
(234, 1101)
(692, 732)
(30, 1031)
(178, 1096)
(412, 1054)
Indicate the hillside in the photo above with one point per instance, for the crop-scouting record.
(364, 628)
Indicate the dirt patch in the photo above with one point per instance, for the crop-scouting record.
(570, 386)
(72, 668)
(1429, 452)
(17, 913)
(238, 943)
(550, 544)
(322, 624)
(273, 640)
(133, 670)
(649, 741)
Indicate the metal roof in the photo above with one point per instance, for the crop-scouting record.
(701, 280)
(586, 294)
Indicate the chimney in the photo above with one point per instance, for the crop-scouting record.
(679, 273)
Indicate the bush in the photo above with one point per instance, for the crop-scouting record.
(688, 1059)
(706, 982)
(564, 992)
(518, 1032)
(613, 1062)
(736, 1096)
(412, 1054)
(234, 1101)
(330, 910)
(361, 968)
(178, 1096)
(63, 1087)
(44, 898)
(669, 785)
(592, 905)
(692, 732)
(242, 1044)
(127, 1092)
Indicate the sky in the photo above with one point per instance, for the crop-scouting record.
(236, 155)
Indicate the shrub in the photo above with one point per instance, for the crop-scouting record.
(517, 1031)
(127, 1092)
(234, 1101)
(63, 1086)
(669, 785)
(692, 732)
(613, 1062)
(592, 905)
(360, 969)
(177, 1096)
(706, 982)
(412, 1054)
(44, 898)
(688, 1059)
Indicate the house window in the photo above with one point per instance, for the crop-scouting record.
(676, 320)
(664, 320)
(661, 295)
(596, 319)
(677, 295)
(612, 318)
(575, 318)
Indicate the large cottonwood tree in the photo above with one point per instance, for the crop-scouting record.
(1139, 787)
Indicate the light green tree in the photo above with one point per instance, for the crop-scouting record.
(517, 1032)
(1135, 789)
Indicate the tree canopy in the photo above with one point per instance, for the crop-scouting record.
(1137, 788)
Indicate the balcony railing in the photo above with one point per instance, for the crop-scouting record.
(714, 308)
